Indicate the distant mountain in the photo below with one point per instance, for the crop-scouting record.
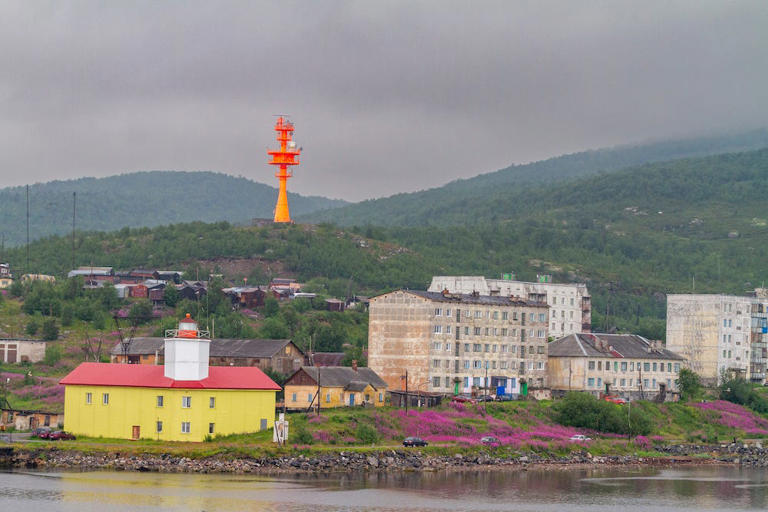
(459, 201)
(142, 199)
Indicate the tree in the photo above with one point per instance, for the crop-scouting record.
(141, 311)
(271, 306)
(50, 329)
(689, 383)
(171, 296)
(52, 354)
(32, 326)
(274, 329)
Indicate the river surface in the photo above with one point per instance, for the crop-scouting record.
(572, 490)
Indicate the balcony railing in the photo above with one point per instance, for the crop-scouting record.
(174, 333)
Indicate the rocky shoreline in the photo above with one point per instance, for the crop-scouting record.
(385, 460)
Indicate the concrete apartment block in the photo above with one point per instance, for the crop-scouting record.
(570, 303)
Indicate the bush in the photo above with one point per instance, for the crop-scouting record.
(32, 327)
(366, 434)
(271, 307)
(52, 354)
(141, 311)
(301, 435)
(585, 411)
(50, 329)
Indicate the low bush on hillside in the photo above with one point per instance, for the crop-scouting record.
(585, 411)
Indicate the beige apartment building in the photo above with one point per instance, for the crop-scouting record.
(712, 332)
(631, 366)
(570, 303)
(458, 343)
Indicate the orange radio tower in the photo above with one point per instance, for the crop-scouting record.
(285, 156)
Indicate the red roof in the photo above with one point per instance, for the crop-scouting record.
(151, 376)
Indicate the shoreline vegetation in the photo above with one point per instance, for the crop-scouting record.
(367, 439)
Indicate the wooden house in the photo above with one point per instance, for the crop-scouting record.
(337, 386)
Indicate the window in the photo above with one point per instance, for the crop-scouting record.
(655, 366)
(540, 333)
(540, 350)
(623, 367)
(476, 381)
(477, 363)
(505, 315)
(447, 329)
(646, 367)
(571, 301)
(293, 397)
(466, 347)
(327, 398)
(723, 353)
(503, 365)
(159, 400)
(309, 397)
(487, 331)
(654, 383)
(447, 382)
(448, 312)
(466, 331)
(504, 348)
(514, 315)
(466, 382)
(478, 314)
(212, 402)
(494, 348)
(435, 363)
(504, 331)
(623, 382)
(438, 312)
(466, 363)
(599, 365)
(159, 427)
(591, 382)
(437, 345)
(512, 348)
(495, 315)
(447, 347)
(615, 366)
(632, 367)
(477, 331)
(542, 317)
(645, 382)
(487, 347)
(186, 402)
(381, 395)
(88, 398)
(540, 365)
(185, 427)
(513, 365)
(677, 367)
(438, 329)
(105, 398)
(599, 382)
(477, 347)
(211, 428)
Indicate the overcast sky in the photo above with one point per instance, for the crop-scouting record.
(386, 97)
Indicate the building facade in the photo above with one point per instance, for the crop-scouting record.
(570, 303)
(458, 343)
(339, 386)
(758, 355)
(183, 400)
(22, 351)
(712, 332)
(627, 365)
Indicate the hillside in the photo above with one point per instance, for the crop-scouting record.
(459, 202)
(142, 199)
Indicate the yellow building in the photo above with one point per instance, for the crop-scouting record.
(183, 400)
(340, 386)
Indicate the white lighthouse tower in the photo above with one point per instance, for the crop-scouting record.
(186, 351)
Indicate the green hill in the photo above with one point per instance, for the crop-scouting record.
(472, 200)
(142, 199)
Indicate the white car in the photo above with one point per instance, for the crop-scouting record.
(579, 437)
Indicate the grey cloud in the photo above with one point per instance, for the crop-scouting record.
(386, 96)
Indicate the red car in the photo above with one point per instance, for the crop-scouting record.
(463, 399)
(615, 400)
(60, 435)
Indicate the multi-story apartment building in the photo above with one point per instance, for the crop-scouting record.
(712, 332)
(458, 343)
(570, 303)
(758, 355)
(630, 365)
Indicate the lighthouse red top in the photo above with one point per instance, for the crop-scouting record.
(284, 157)
(188, 328)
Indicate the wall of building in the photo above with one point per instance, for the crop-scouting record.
(300, 396)
(17, 351)
(624, 375)
(235, 411)
(570, 303)
(399, 331)
(711, 331)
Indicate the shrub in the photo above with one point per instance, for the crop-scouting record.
(690, 384)
(366, 434)
(32, 327)
(52, 354)
(585, 411)
(301, 435)
(50, 329)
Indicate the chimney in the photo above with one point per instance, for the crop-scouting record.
(354, 364)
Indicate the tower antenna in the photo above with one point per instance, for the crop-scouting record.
(287, 155)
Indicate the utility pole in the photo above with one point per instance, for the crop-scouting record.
(406, 392)
(74, 214)
(27, 268)
(319, 390)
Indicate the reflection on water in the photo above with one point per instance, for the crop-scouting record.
(712, 488)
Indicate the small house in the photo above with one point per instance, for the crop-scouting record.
(334, 386)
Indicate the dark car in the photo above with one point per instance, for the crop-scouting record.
(490, 440)
(503, 398)
(485, 398)
(414, 441)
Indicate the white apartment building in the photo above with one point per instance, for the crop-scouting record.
(570, 303)
(712, 332)
(458, 343)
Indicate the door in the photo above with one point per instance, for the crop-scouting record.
(136, 434)
(351, 399)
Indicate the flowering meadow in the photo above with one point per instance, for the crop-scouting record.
(735, 416)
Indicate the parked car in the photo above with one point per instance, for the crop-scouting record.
(615, 399)
(60, 435)
(485, 398)
(463, 399)
(414, 441)
(580, 437)
(39, 430)
(503, 398)
(489, 440)
(45, 434)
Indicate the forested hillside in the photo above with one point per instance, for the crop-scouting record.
(142, 199)
(476, 199)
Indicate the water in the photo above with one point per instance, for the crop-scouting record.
(625, 490)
